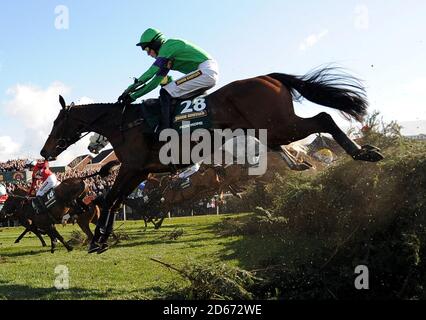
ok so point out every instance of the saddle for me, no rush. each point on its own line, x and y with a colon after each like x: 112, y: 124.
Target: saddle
x: 189, y: 111
x: 44, y: 203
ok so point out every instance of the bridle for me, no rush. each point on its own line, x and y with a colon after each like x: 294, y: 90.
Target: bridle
x: 64, y: 142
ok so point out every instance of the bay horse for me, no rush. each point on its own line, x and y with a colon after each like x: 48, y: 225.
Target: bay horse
x: 264, y: 102
x: 29, y: 227
x: 149, y: 208
x: 65, y: 194
x: 86, y: 215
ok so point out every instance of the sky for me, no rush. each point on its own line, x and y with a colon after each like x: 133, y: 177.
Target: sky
x: 85, y: 50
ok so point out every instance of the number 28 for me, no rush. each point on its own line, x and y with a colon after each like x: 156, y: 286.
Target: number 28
x: 197, y: 106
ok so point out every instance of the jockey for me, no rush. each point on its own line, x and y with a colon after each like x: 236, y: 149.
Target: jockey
x: 200, y: 68
x: 41, y: 176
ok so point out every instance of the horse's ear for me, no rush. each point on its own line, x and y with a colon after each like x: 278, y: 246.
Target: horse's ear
x: 72, y: 105
x: 62, y: 102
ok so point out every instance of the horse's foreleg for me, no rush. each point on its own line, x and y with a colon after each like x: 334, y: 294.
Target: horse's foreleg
x: 126, y: 181
x: 30, y: 228
x: 22, y: 235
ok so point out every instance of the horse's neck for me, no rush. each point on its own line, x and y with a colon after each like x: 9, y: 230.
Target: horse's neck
x: 103, y: 118
x: 65, y: 193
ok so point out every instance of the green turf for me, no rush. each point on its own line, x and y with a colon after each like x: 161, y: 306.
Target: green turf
x: 125, y: 271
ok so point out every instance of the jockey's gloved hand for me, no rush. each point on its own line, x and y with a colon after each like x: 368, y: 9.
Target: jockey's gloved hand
x: 125, y: 98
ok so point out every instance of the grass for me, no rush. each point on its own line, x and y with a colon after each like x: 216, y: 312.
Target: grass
x: 125, y: 271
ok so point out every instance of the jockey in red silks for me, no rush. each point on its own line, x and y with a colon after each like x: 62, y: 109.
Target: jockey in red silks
x: 43, y: 177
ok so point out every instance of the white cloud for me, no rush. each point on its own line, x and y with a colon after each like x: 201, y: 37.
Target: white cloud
x: 312, y: 40
x: 8, y: 148
x: 36, y: 109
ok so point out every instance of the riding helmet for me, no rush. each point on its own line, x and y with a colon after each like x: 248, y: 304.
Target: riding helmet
x: 152, y: 38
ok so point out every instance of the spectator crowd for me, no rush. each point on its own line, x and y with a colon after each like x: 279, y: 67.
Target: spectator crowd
x: 13, y: 165
x: 97, y: 185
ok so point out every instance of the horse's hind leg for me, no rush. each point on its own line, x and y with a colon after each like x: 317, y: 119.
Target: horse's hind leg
x: 38, y: 235
x: 301, y: 128
x: 56, y: 235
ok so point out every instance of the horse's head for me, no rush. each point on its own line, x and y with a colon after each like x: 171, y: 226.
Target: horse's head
x: 65, y: 132
x: 11, y: 207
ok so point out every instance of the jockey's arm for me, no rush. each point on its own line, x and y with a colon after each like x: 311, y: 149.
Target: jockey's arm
x: 148, y: 75
x: 158, y: 73
x: 151, y: 85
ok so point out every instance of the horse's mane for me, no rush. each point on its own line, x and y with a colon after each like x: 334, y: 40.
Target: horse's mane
x: 110, y: 104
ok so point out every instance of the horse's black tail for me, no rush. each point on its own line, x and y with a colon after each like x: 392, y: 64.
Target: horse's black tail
x: 328, y: 87
x: 105, y: 171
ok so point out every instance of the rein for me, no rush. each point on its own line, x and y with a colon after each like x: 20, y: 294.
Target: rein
x: 64, y: 143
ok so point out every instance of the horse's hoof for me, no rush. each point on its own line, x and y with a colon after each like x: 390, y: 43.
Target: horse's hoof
x: 93, y: 247
x: 102, y: 248
x: 16, y: 241
x: 70, y: 249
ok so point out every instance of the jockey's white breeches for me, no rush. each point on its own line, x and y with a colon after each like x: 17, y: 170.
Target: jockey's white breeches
x: 205, y: 77
x: 51, y: 182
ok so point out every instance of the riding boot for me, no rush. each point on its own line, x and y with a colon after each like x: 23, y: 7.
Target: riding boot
x: 166, y: 102
x: 38, y: 205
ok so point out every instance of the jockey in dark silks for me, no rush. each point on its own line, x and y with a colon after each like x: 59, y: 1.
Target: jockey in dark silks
x: 200, y: 68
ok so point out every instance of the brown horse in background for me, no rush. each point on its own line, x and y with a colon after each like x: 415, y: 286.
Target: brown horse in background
x: 264, y: 102
x: 149, y: 205
x: 84, y: 216
x: 20, y: 206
